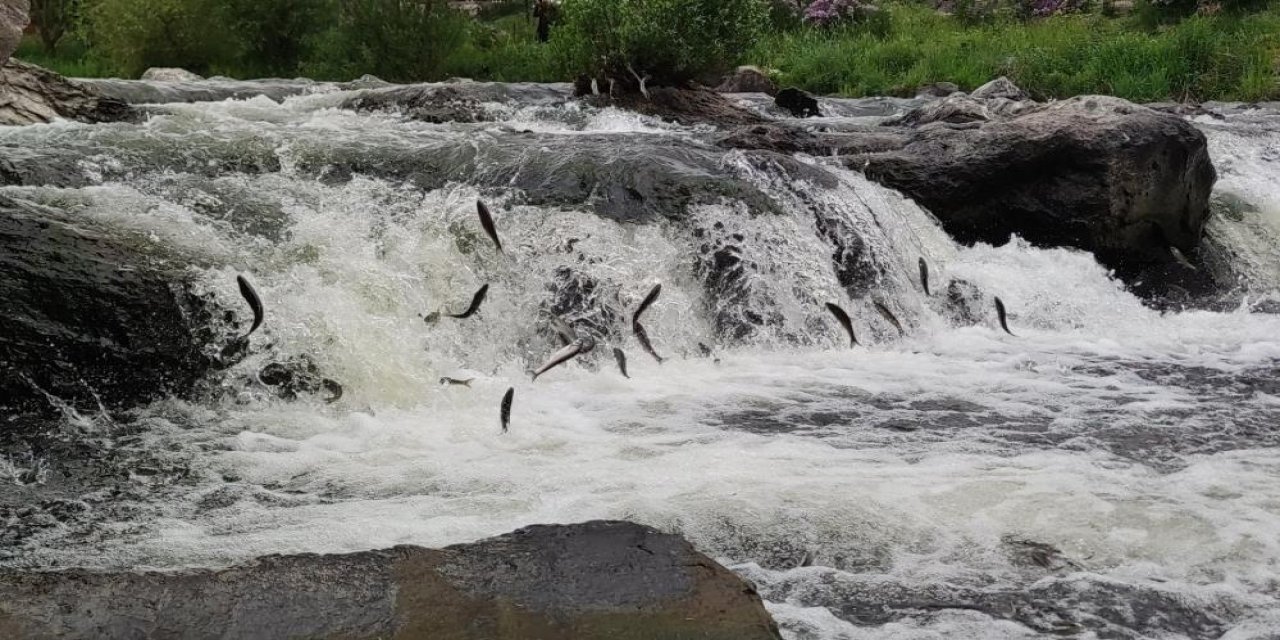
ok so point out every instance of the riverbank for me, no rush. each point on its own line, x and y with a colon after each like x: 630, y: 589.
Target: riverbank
x: 1229, y: 57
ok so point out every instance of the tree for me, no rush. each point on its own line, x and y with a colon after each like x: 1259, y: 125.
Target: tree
x: 54, y: 19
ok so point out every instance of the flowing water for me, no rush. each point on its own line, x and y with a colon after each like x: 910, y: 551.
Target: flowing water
x: 1112, y: 471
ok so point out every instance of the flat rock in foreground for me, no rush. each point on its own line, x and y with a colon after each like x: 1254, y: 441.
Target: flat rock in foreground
x: 606, y: 580
x: 31, y: 95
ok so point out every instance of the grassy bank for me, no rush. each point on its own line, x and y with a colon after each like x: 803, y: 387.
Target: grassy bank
x: 1221, y: 57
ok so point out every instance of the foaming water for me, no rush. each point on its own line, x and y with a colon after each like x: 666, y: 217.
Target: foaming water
x: 1109, y: 472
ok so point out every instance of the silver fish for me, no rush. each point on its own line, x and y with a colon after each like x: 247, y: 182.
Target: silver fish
x: 486, y: 221
x: 844, y: 320
x: 622, y: 361
x: 1004, y: 317
x: 1181, y: 258
x: 924, y: 276
x: 255, y: 303
x: 456, y: 382
x: 578, y: 347
x: 476, y: 300
x: 505, y: 411
x: 888, y: 315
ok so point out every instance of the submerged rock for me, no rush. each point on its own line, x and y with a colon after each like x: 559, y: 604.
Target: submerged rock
x: 93, y: 317
x: 31, y: 94
x: 1092, y: 172
x: 605, y: 580
x: 685, y: 106
x: 454, y: 102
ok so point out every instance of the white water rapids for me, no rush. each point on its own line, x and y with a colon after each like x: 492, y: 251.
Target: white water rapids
x: 915, y: 475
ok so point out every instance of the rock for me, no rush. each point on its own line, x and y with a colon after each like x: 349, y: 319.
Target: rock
x: 937, y: 90
x: 30, y: 95
x: 799, y: 103
x: 1098, y: 173
x: 782, y: 138
x: 456, y: 102
x: 13, y: 20
x: 170, y: 74
x: 596, y: 580
x: 1001, y: 87
x: 93, y: 315
x: 685, y: 106
x: 960, y: 109
x: 748, y: 79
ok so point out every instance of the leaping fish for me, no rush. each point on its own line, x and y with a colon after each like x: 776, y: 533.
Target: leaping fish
x: 476, y: 300
x: 888, y: 315
x: 622, y: 361
x: 1004, y: 317
x: 578, y: 347
x: 924, y: 276
x: 486, y: 221
x: 843, y: 318
x: 563, y: 330
x: 456, y: 382
x: 1181, y: 258
x: 505, y: 411
x: 638, y: 329
x: 255, y: 303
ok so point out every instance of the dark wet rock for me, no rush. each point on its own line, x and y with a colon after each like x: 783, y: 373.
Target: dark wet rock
x: 685, y: 106
x: 965, y: 304
x: 1001, y: 87
x: 13, y: 20
x: 612, y: 580
x: 298, y: 376
x: 784, y: 138
x: 27, y: 166
x: 170, y: 74
x: 31, y: 94
x: 747, y: 79
x: 961, y: 109
x: 798, y: 103
x: 94, y: 317
x: 1092, y: 172
x: 454, y: 102
x: 937, y: 90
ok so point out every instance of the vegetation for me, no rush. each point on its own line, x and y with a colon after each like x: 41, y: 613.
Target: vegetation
x: 1162, y: 49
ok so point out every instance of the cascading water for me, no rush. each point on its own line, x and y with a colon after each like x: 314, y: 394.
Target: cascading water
x: 1109, y: 471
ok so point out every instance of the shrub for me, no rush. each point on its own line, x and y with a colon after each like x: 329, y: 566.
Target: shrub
x: 54, y: 19
x: 274, y: 34
x: 824, y: 13
x: 670, y: 41
x: 136, y: 34
x: 396, y: 40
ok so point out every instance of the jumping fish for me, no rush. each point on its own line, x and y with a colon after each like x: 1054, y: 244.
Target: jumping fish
x: 254, y: 301
x: 638, y: 329
x: 486, y: 221
x: 622, y: 361
x: 562, y: 329
x: 334, y: 389
x: 1004, y: 317
x: 476, y: 300
x: 888, y: 315
x: 1181, y: 258
x: 506, y: 407
x: 924, y: 276
x: 843, y: 318
x: 454, y: 381
x: 578, y: 347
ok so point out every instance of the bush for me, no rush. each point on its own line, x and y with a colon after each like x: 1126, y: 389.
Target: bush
x: 53, y: 19
x: 670, y: 41
x: 137, y: 34
x: 273, y: 34
x: 396, y: 40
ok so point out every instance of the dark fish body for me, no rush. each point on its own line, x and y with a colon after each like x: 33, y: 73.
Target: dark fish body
x: 643, y: 337
x: 254, y: 301
x: 334, y: 389
x: 506, y: 407
x: 622, y: 361
x: 844, y: 320
x: 486, y: 221
x: 1003, y: 315
x: 453, y: 381
x: 924, y: 276
x: 638, y: 329
x: 576, y: 348
x: 431, y: 318
x: 704, y: 350
x: 888, y: 315
x: 476, y: 301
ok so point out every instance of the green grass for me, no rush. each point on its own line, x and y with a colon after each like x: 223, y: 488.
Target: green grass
x: 1225, y: 57
x: 1201, y: 58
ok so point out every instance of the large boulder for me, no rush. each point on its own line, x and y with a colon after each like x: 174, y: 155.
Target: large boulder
x: 597, y: 580
x: 13, y: 20
x: 93, y: 317
x: 31, y: 94
x: 747, y: 79
x: 1097, y: 173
